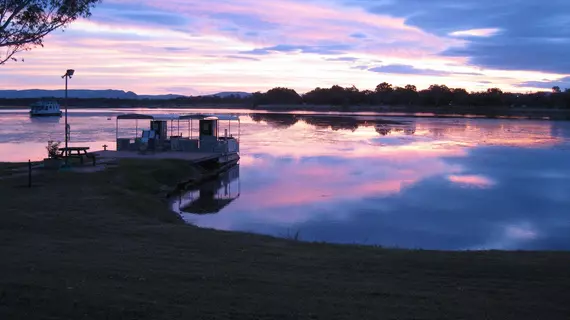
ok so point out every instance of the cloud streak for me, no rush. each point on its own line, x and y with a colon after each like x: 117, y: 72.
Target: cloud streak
x: 405, y: 69
x: 562, y: 83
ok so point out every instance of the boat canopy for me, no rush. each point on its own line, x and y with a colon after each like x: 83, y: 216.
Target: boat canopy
x: 166, y: 117
x: 225, y: 117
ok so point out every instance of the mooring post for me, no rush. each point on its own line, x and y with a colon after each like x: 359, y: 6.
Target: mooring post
x: 29, y: 173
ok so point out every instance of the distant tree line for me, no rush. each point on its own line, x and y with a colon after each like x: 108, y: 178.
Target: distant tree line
x: 434, y: 96
x: 384, y: 94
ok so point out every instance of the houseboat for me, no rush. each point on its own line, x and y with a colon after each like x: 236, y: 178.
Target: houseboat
x: 45, y: 108
x: 204, y: 139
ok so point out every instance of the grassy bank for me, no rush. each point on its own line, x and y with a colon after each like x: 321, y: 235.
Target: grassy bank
x: 15, y: 169
x: 104, y: 246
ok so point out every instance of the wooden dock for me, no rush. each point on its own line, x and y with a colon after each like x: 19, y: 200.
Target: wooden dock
x: 195, y: 157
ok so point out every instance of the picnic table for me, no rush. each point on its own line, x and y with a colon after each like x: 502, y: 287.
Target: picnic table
x: 76, y: 152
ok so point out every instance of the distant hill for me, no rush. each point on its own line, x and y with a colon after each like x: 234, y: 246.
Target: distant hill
x: 36, y: 93
x: 83, y: 94
x: 106, y: 94
x: 160, y: 96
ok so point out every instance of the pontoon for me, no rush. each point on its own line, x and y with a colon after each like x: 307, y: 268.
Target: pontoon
x: 194, y: 137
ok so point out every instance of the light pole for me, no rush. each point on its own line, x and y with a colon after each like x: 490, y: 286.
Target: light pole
x: 68, y: 74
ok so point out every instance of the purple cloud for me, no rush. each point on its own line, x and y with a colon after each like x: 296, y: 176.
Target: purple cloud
x: 358, y: 35
x: 528, y: 29
x: 319, y: 49
x: 563, y: 83
x: 406, y: 69
x: 345, y: 59
x: 242, y: 58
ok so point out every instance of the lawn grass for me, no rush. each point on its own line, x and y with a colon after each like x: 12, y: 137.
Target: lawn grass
x: 8, y: 169
x: 105, y: 246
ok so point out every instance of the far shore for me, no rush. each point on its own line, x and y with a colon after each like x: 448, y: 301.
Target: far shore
x: 408, y: 111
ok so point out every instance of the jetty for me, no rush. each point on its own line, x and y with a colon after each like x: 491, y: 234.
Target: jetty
x: 172, y: 137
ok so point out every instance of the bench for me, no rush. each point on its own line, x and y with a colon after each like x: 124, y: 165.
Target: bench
x: 93, y: 156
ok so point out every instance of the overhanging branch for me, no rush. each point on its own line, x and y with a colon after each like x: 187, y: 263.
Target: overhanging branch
x: 24, y: 23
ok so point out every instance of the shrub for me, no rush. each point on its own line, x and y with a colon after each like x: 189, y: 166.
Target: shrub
x: 52, y: 148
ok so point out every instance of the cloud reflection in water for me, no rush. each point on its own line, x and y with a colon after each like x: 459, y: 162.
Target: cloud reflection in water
x: 429, y: 189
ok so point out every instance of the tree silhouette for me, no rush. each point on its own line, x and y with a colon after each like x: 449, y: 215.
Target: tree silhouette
x: 282, y: 95
x: 460, y: 96
x: 24, y: 23
x: 437, y: 95
x: 384, y: 87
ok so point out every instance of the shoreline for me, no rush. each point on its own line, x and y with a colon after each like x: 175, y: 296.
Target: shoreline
x: 392, y: 111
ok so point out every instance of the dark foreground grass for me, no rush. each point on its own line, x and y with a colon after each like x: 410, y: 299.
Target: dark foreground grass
x: 8, y: 169
x: 104, y: 246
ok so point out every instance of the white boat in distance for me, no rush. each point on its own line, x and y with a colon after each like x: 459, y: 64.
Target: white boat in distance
x: 45, y: 108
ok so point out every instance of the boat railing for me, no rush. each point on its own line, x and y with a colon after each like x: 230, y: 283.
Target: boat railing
x: 128, y: 144
x: 208, y: 140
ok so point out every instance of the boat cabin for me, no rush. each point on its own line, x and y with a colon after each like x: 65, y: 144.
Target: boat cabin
x: 45, y: 108
x: 178, y: 133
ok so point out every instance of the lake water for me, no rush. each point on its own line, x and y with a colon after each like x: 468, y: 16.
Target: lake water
x: 399, y: 182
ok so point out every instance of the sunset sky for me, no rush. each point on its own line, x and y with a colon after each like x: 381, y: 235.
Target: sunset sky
x: 198, y: 47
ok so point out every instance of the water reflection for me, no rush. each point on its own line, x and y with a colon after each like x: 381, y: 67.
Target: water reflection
x: 335, y: 122
x: 209, y: 197
x: 471, y: 181
x: 452, y: 204
x: 279, y: 121
x: 463, y: 130
x: 45, y: 120
x: 419, y: 183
